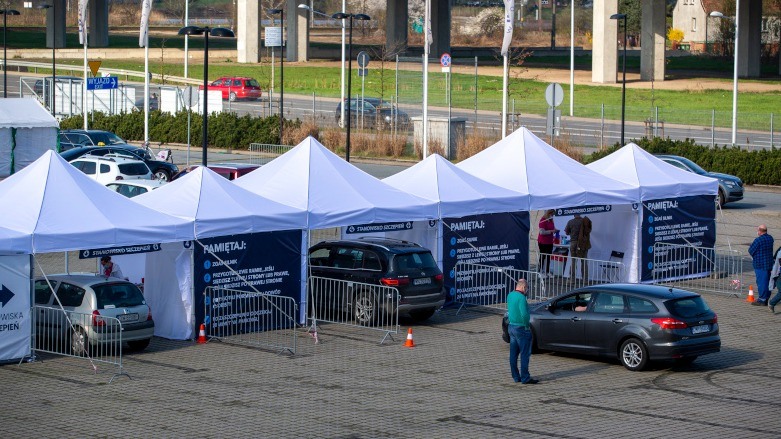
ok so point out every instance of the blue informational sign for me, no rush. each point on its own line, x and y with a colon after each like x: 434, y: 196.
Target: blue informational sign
x: 116, y: 251
x: 583, y: 210
x: 498, y: 240
x: 102, y: 83
x: 686, y: 221
x: 270, y: 262
x: 381, y: 227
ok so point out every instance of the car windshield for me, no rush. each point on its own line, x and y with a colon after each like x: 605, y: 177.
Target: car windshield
x: 118, y: 295
x: 687, y: 307
x: 107, y: 138
x: 693, y: 166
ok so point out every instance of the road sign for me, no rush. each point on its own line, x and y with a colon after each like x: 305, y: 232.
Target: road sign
x: 445, y: 60
x: 94, y: 66
x: 103, y: 83
x: 273, y: 37
x: 363, y: 72
x: 363, y: 59
x: 554, y: 94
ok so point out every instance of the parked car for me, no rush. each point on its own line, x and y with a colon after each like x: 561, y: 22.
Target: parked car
x: 134, y: 188
x: 112, y: 167
x: 91, y: 138
x: 635, y: 323
x: 237, y: 88
x: 231, y: 171
x: 730, y: 186
x: 378, y: 261
x: 97, y: 296
x: 373, y: 113
x: 162, y: 170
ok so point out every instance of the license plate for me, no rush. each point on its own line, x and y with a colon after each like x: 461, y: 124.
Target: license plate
x: 127, y: 317
x: 700, y: 329
x: 422, y: 281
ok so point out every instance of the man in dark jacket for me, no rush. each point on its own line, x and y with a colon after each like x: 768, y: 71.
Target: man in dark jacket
x: 761, y: 251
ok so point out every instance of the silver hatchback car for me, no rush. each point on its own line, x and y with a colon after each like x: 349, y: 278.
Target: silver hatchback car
x: 87, y: 301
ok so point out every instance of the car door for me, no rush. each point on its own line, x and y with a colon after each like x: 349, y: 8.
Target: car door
x: 608, y: 316
x: 561, y: 327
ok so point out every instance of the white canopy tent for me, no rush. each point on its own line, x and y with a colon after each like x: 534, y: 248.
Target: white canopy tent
x: 216, y: 207
x: 332, y: 191
x: 673, y: 200
x: 27, y: 130
x: 50, y: 206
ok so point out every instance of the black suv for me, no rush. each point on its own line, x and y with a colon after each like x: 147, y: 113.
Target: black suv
x: 380, y: 261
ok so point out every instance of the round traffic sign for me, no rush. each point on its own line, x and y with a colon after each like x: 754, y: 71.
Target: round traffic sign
x: 554, y: 95
x: 363, y: 59
x: 445, y: 60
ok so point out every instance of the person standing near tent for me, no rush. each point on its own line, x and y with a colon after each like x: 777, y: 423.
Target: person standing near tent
x: 572, y: 229
x: 584, y: 244
x: 109, y: 268
x: 545, y: 242
x: 761, y: 251
x: 520, y: 333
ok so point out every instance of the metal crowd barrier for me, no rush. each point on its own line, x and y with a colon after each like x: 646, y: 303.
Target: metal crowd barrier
x: 80, y: 335
x: 488, y: 286
x: 702, y: 269
x: 262, y: 153
x: 368, y: 306
x: 250, y: 318
x: 586, y: 271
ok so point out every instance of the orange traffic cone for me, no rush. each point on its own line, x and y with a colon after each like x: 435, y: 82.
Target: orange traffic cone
x: 410, y: 343
x: 202, y: 334
x: 750, y: 297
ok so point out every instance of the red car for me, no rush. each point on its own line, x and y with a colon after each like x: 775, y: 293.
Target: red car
x: 235, y: 88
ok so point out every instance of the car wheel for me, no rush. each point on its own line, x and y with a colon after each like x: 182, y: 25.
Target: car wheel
x: 365, y: 308
x: 634, y: 355
x: 419, y: 316
x: 232, y: 96
x: 722, y: 198
x: 139, y: 345
x: 162, y: 175
x: 79, y: 342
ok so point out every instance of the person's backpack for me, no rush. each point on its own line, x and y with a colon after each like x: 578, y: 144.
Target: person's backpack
x: 584, y: 235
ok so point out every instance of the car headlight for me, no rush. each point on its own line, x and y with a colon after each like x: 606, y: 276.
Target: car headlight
x: 730, y: 184
x: 387, y: 118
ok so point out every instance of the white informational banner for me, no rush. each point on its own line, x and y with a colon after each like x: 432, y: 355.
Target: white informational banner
x: 273, y: 37
x: 14, y: 307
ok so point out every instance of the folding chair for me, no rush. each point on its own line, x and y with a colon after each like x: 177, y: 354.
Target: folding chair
x: 610, y: 271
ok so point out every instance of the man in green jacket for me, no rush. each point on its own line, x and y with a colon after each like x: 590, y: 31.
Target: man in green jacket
x: 520, y: 333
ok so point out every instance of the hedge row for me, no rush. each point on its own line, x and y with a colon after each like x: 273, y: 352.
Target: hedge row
x: 753, y: 167
x: 226, y: 130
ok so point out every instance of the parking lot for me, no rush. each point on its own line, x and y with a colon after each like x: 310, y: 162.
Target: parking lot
x: 454, y: 383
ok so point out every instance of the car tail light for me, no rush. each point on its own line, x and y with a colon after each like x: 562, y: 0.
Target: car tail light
x: 119, y: 177
x: 715, y: 318
x: 439, y: 278
x: 149, y: 314
x: 97, y: 320
x: 669, y: 323
x: 394, y: 281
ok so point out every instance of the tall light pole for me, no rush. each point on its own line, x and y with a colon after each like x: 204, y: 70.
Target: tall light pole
x: 282, y: 54
x: 6, y: 12
x: 735, y: 73
x: 350, y: 18
x: 623, y: 80
x: 206, y: 31
x: 54, y: 45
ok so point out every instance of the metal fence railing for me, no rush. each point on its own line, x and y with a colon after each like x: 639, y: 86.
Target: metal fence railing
x: 97, y: 339
x: 354, y: 304
x: 488, y: 286
x: 586, y: 272
x: 251, y: 319
x: 262, y: 153
x: 702, y: 269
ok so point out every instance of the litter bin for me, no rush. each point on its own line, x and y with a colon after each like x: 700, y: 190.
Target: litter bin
x: 558, y: 260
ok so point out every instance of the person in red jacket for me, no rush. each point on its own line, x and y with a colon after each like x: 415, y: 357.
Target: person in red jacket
x: 545, y: 242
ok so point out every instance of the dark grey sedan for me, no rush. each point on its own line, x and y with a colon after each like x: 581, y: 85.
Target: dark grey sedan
x: 632, y: 322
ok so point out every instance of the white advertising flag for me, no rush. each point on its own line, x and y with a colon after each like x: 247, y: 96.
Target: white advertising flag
x: 82, y: 21
x: 509, y: 12
x: 143, y: 36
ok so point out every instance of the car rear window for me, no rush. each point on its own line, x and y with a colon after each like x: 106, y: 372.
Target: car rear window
x: 118, y: 295
x: 414, y: 261
x: 252, y: 83
x: 687, y: 307
x: 133, y: 169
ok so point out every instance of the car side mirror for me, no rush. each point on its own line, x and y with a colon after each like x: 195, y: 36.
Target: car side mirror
x: 550, y: 307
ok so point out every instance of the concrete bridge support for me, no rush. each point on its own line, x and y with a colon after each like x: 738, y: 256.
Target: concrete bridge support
x: 97, y: 35
x: 396, y: 26
x: 55, y: 25
x: 604, y: 51
x: 652, y: 37
x: 750, y: 38
x: 248, y: 31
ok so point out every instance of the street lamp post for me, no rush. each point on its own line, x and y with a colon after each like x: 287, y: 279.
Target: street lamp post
x: 206, y: 31
x: 6, y: 12
x: 351, y: 18
x: 735, y: 73
x: 54, y: 45
x: 281, y: 13
x: 623, y: 79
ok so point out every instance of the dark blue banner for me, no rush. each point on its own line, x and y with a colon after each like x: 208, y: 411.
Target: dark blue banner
x: 382, y: 227
x: 115, y: 251
x: 497, y: 240
x: 686, y: 221
x: 269, y: 262
x: 583, y: 210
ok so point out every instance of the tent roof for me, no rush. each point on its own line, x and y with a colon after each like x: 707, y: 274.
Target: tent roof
x: 524, y: 163
x: 458, y: 192
x: 334, y: 192
x: 218, y: 207
x: 25, y: 113
x: 654, y: 178
x: 59, y: 208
